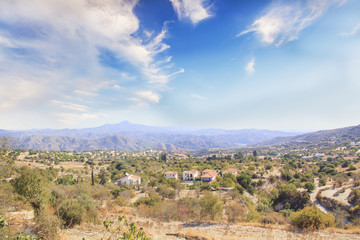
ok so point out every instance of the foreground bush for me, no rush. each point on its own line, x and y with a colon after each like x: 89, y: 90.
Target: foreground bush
x: 272, y: 218
x: 311, y: 218
x: 211, y: 206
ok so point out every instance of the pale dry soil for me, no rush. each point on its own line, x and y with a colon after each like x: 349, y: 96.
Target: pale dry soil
x: 204, y: 231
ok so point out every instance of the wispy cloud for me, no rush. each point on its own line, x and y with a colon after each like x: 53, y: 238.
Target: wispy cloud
x: 149, y: 96
x: 197, y: 96
x: 283, y: 21
x: 195, y: 10
x: 249, y: 68
x: 71, y: 106
x: 59, y: 44
x: 353, y: 32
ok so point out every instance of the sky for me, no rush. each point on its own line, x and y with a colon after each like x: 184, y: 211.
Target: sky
x: 230, y: 64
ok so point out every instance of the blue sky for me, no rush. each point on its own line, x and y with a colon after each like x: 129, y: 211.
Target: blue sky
x: 204, y: 63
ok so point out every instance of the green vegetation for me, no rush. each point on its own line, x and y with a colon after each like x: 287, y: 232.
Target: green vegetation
x: 268, y: 188
x: 311, y: 218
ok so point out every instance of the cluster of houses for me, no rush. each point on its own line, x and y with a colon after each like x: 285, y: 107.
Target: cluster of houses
x: 208, y: 175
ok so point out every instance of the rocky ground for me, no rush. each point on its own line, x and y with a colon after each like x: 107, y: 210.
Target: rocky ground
x: 204, y: 231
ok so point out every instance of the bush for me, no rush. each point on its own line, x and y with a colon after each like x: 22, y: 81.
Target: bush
x: 48, y: 224
x: 354, y: 197
x: 33, y: 187
x: 311, y: 218
x: 71, y: 213
x: 235, y: 212
x: 287, y: 195
x: 309, y: 186
x: 272, y: 218
x: 211, y: 206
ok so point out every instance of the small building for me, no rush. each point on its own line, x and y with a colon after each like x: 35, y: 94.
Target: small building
x: 352, y: 144
x: 129, y: 179
x: 190, y: 175
x: 171, y: 174
x: 208, y: 175
x: 232, y: 171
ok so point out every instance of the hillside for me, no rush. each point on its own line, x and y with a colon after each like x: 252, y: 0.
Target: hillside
x: 324, y: 138
x: 128, y: 136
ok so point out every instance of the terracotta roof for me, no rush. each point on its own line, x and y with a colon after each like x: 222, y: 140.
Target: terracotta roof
x: 208, y: 173
x: 193, y: 171
x: 135, y: 177
x: 230, y: 170
x: 170, y: 172
x: 130, y: 176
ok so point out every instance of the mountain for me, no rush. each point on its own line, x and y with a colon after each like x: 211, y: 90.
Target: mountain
x: 324, y: 138
x: 126, y: 135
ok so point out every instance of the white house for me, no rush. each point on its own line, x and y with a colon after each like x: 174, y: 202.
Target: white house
x: 171, y: 174
x: 208, y: 175
x: 233, y: 171
x: 130, y: 179
x: 190, y: 175
x: 352, y: 144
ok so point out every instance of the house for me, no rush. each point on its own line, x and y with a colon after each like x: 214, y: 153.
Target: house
x: 232, y: 171
x: 208, y: 175
x: 129, y: 179
x: 190, y: 175
x: 171, y: 174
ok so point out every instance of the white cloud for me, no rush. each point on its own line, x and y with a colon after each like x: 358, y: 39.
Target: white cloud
x: 249, y: 68
x: 283, y: 21
x: 71, y: 106
x: 149, y: 96
x: 61, y: 50
x: 197, y: 96
x: 353, y: 32
x: 18, y: 92
x: 194, y: 10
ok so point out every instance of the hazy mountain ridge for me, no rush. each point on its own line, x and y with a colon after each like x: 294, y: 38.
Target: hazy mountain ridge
x: 322, y: 138
x: 126, y: 135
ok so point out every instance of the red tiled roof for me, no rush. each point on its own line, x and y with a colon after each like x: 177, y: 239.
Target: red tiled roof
x: 208, y: 172
x: 193, y: 171
x: 170, y: 172
x: 135, y: 177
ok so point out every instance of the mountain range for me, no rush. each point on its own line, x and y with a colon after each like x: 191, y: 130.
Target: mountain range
x: 129, y: 136
x: 325, y: 138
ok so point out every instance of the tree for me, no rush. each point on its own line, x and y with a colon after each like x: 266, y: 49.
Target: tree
x: 103, y: 176
x: 92, y: 176
x: 311, y: 218
x: 163, y: 157
x: 255, y: 153
x: 211, y: 206
x: 309, y: 186
x: 33, y: 187
x: 245, y: 180
x: 6, y: 163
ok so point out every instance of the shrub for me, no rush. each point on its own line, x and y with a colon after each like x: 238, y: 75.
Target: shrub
x: 48, y: 224
x: 71, y: 213
x: 211, y: 206
x: 354, y: 197
x: 288, y: 195
x: 309, y: 186
x: 33, y: 187
x: 311, y: 218
x: 235, y: 212
x: 272, y: 218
